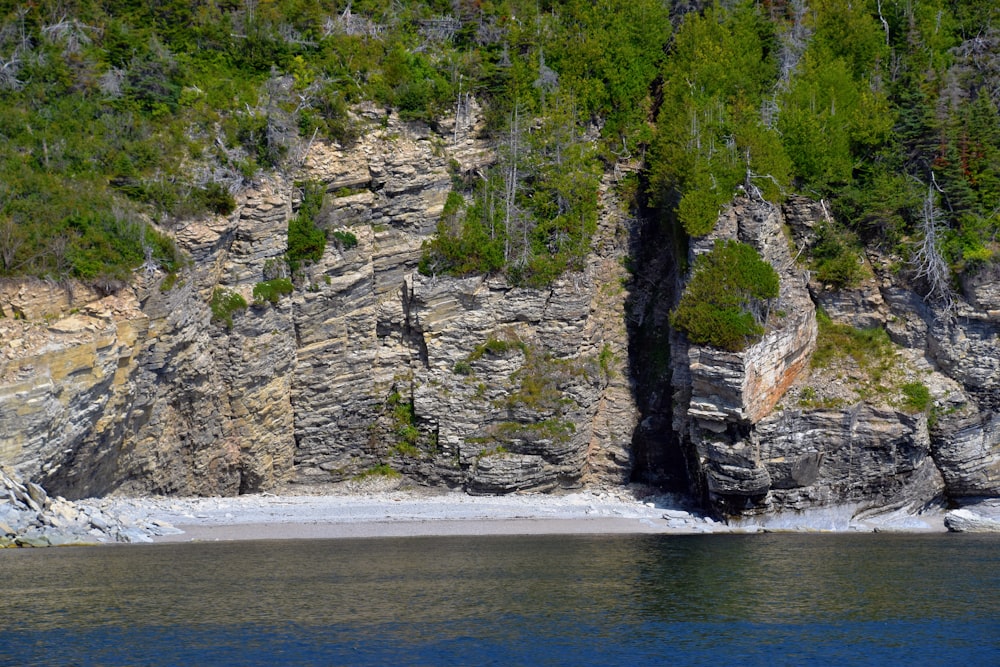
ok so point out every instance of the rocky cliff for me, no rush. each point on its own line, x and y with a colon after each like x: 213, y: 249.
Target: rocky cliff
x: 367, y: 368
x: 872, y: 421
x: 370, y: 368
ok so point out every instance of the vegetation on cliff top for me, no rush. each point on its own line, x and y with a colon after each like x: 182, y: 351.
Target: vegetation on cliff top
x: 868, y: 104
x: 727, y: 301
x: 117, y: 114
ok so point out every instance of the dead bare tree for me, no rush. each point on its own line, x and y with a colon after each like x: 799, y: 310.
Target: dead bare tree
x: 622, y: 158
x: 547, y: 80
x: 489, y: 31
x: 439, y: 29
x: 794, y: 41
x: 463, y: 111
x: 928, y: 263
x: 73, y: 34
x: 10, y: 66
x: 349, y: 23
x: 885, y: 24
x: 280, y: 129
x: 112, y: 82
x: 510, y: 180
x: 9, y: 69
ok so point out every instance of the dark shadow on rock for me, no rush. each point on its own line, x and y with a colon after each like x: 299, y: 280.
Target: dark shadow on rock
x: 654, y: 247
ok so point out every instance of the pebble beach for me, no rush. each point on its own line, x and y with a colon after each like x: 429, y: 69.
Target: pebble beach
x: 405, y: 514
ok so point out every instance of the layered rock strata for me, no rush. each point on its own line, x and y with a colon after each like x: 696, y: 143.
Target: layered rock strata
x: 371, y: 368
x: 719, y: 396
x: 367, y: 368
x: 809, y: 436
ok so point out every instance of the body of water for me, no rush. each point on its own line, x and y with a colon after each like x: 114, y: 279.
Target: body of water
x: 540, y: 600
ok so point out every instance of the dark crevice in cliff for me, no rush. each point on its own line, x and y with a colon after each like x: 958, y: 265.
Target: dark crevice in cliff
x: 657, y: 457
x: 412, y: 332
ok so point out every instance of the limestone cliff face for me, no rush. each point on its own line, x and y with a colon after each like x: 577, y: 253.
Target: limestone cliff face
x: 370, y: 366
x: 720, y: 396
x: 767, y: 431
x: 367, y: 366
x: 59, y: 375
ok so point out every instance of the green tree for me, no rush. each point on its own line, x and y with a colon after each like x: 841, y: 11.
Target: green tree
x: 306, y: 241
x: 726, y: 301
x: 711, y: 137
x: 828, y: 120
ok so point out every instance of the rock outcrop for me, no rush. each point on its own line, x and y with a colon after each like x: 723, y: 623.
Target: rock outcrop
x: 720, y: 396
x: 371, y: 368
x: 30, y: 517
x: 368, y: 368
x: 802, y: 435
x: 976, y: 517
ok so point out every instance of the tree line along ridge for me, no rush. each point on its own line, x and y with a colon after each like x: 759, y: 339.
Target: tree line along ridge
x: 119, y: 118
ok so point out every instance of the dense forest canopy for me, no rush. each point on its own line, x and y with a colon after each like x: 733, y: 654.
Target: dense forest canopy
x: 117, y: 113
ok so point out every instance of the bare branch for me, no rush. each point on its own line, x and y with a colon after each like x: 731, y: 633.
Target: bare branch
x: 290, y: 35
x: 927, y: 260
x: 111, y: 82
x: 885, y: 24
x: 9, y: 69
x: 71, y: 32
x: 440, y: 29
x: 349, y: 23
x: 793, y: 42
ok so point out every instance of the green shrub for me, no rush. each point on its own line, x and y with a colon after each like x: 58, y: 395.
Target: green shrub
x: 497, y: 347
x: 404, y: 424
x: 381, y: 470
x: 556, y: 430
x: 606, y: 358
x: 414, y: 86
x: 169, y: 281
x: 251, y: 131
x: 724, y: 303
x: 224, y: 304
x: 871, y: 349
x: 346, y: 240
x: 306, y: 241
x: 843, y: 270
x: 463, y: 244
x: 978, y: 255
x: 272, y: 290
x: 916, y: 396
x: 836, y: 257
x: 216, y: 198
x: 329, y: 116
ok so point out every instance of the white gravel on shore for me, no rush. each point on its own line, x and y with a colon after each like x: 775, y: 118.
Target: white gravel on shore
x: 419, y: 512
x: 408, y: 513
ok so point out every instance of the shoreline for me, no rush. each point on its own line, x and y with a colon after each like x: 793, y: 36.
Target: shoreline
x: 422, y: 514
x: 411, y: 528
x: 403, y: 514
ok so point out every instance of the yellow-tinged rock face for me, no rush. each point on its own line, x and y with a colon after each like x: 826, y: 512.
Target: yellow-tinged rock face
x: 370, y: 365
x: 61, y: 374
x: 36, y: 300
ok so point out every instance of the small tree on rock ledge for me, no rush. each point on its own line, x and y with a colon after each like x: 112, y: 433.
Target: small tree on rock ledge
x: 726, y: 301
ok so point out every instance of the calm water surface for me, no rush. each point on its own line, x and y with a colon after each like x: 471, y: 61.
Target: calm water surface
x: 566, y: 600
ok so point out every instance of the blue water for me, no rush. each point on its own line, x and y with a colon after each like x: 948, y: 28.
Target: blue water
x: 630, y: 600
